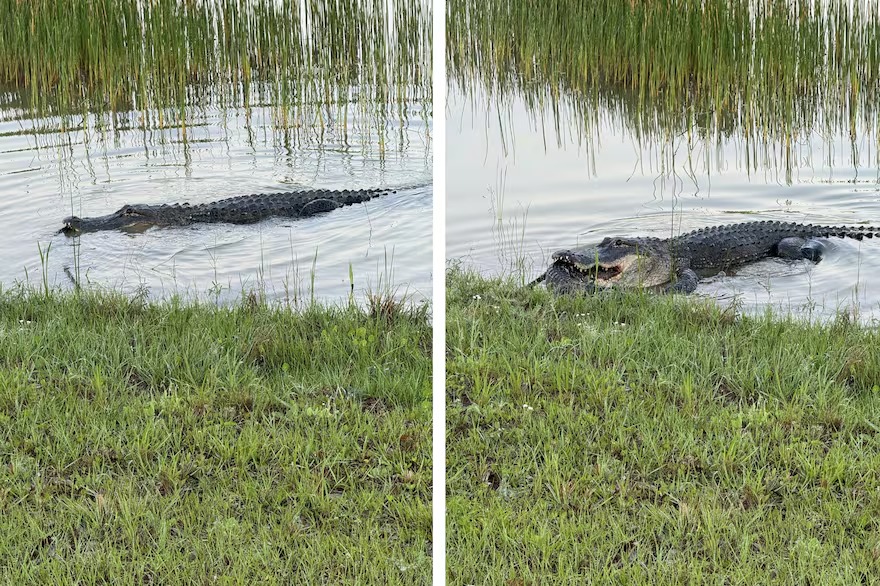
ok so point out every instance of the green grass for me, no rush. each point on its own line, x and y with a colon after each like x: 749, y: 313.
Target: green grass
x: 771, y: 72
x: 313, y: 61
x: 641, y: 439
x: 186, y: 444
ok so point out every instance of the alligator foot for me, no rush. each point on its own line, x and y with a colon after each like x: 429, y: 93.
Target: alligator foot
x: 813, y: 250
x: 685, y: 282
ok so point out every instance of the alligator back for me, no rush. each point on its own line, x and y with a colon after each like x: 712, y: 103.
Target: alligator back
x: 722, y: 247
x: 254, y: 208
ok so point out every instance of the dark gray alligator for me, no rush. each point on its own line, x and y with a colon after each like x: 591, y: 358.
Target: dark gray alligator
x: 245, y: 209
x: 676, y: 264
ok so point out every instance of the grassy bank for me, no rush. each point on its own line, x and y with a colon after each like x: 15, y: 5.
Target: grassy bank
x: 179, y: 444
x: 644, y: 439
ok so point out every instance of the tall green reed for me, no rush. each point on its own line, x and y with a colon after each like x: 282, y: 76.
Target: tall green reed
x: 769, y: 71
x: 315, y: 62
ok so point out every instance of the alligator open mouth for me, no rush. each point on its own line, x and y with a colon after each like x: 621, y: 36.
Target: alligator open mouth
x: 575, y: 266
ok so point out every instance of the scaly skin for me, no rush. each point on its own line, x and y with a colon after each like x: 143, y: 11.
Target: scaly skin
x: 675, y: 264
x: 245, y: 209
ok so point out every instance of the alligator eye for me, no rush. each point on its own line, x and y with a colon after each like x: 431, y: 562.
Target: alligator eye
x: 618, y: 242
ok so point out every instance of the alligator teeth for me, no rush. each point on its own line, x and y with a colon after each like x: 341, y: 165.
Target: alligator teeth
x: 596, y: 271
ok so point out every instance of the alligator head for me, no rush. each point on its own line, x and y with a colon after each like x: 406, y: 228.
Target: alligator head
x: 128, y: 217
x: 614, y: 262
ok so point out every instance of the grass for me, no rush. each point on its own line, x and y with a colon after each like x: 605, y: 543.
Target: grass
x: 188, y: 444
x: 641, y: 439
x: 317, y: 63
x: 771, y: 72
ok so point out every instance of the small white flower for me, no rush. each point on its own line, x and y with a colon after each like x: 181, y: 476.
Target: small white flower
x: 477, y: 297
x: 528, y: 407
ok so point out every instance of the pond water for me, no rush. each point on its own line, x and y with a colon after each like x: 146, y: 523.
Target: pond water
x: 515, y: 197
x: 48, y: 172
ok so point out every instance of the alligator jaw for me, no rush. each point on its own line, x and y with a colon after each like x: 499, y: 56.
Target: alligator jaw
x: 587, y: 268
x: 135, y: 219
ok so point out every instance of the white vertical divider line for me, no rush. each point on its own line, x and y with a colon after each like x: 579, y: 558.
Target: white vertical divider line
x: 439, y: 295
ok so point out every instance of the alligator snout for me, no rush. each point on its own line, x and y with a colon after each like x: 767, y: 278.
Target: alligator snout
x: 572, y: 257
x: 576, y: 259
x: 562, y: 254
x: 71, y: 225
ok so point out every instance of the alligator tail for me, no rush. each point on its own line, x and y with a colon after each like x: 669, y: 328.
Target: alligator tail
x: 540, y: 278
x: 854, y: 232
x: 354, y: 196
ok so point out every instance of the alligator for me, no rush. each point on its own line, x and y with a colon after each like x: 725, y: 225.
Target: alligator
x: 245, y: 209
x: 675, y: 265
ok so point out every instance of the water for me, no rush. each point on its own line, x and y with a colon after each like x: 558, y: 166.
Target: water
x: 513, y: 200
x: 48, y: 172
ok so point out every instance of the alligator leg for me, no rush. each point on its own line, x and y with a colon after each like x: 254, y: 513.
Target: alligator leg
x: 685, y: 282
x: 813, y: 250
x: 319, y: 206
x: 796, y: 248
